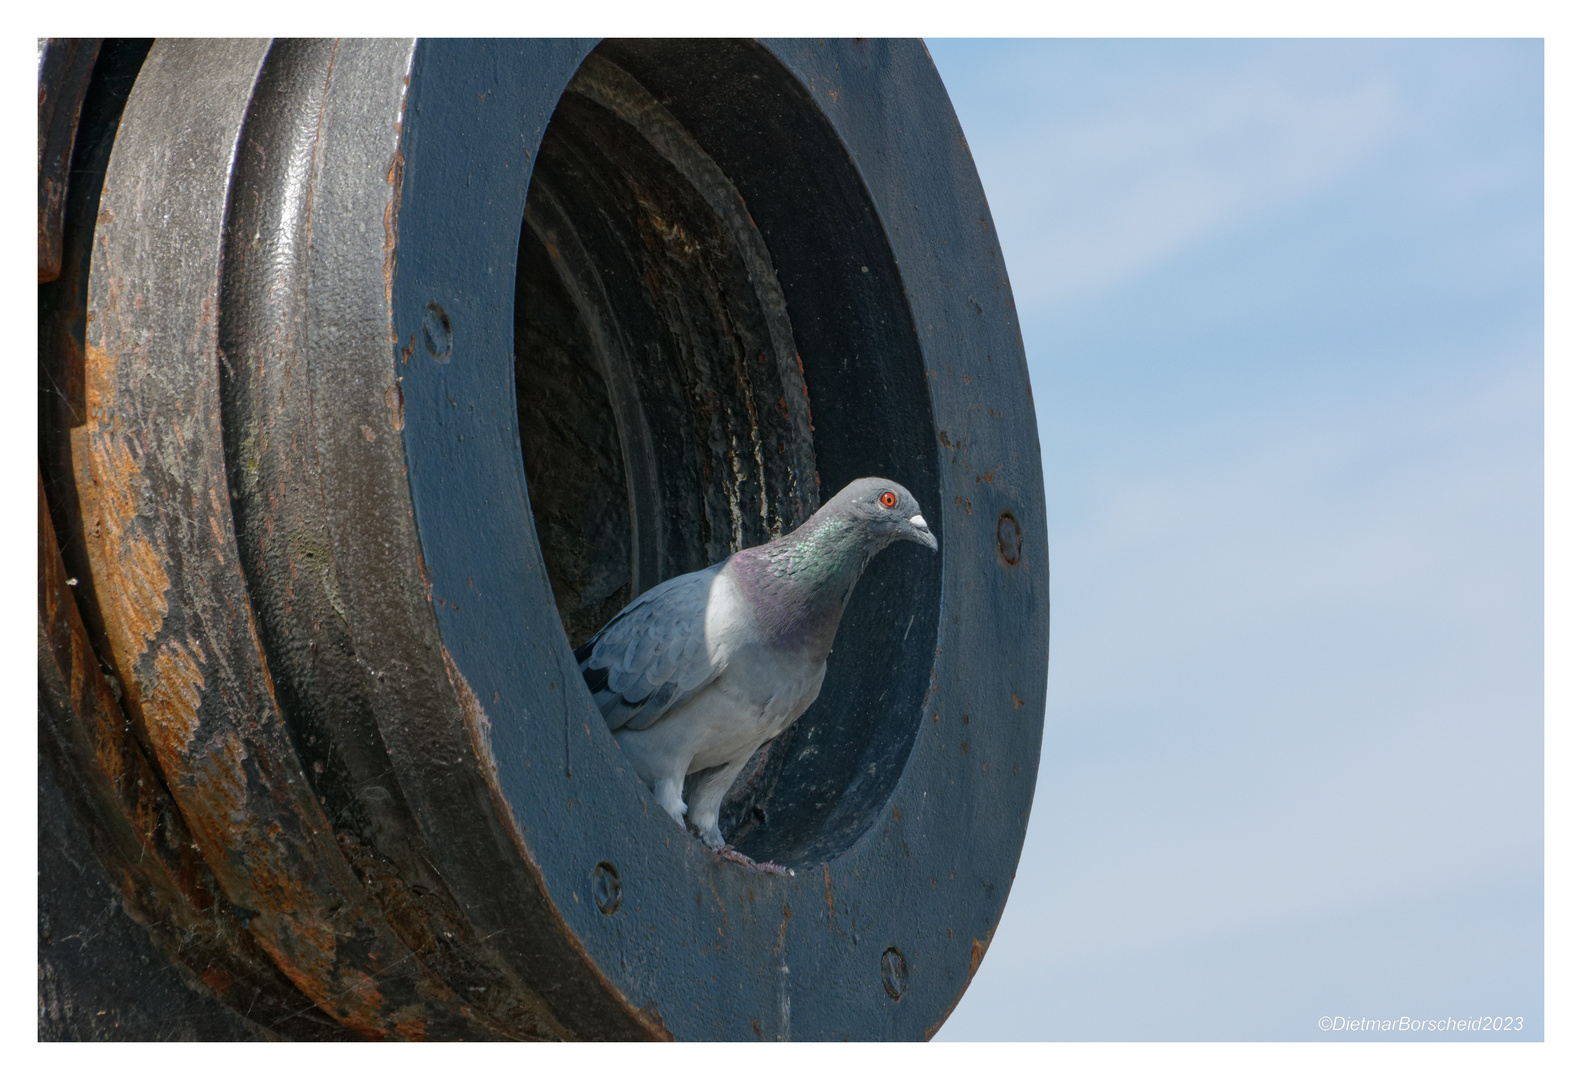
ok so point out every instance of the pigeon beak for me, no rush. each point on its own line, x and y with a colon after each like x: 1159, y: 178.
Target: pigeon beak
x: 921, y: 534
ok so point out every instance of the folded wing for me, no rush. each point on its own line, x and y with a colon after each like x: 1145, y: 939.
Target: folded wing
x: 653, y: 657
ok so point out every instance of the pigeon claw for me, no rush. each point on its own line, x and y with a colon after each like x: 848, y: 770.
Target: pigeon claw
x: 725, y: 851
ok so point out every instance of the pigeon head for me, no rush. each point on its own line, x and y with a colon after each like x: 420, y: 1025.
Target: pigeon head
x: 883, y: 511
x: 800, y: 582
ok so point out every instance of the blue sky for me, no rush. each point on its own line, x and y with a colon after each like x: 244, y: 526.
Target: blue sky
x: 1283, y: 310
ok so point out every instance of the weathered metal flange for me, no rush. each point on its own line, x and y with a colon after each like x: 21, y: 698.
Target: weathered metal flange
x: 157, y: 524
x: 217, y: 982
x: 310, y: 544
x: 312, y: 424
x: 64, y: 67
x: 930, y: 720
x: 138, y: 833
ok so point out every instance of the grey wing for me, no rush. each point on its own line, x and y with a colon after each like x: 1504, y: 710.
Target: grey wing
x: 653, y: 656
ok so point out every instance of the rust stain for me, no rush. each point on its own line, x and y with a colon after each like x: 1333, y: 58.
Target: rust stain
x: 293, y: 929
x: 359, y: 994
x: 410, y: 1024
x: 133, y: 586
x: 171, y: 703
x: 979, y: 947
x: 650, y: 1018
x: 219, y: 518
x: 109, y: 482
x: 393, y: 178
x: 395, y: 401
x: 829, y: 892
x: 223, y: 816
x: 161, y: 876
x: 802, y: 374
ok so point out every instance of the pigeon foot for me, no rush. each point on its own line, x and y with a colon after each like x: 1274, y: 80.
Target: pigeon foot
x: 725, y: 851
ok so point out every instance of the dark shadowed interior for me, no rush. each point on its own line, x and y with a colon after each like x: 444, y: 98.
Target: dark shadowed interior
x: 711, y: 338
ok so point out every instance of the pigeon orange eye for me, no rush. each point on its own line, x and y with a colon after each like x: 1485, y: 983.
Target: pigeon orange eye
x: 887, y: 500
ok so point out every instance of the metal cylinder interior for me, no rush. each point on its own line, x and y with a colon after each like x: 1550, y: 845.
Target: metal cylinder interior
x: 664, y: 410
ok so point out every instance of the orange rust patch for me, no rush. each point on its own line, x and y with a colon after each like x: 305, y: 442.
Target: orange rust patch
x: 359, y: 995
x: 829, y: 892
x: 649, y: 1017
x: 128, y: 568
x: 137, y: 785
x: 290, y: 926
x: 393, y: 178
x: 171, y: 709
x: 979, y: 947
x: 219, y: 519
x: 410, y: 1023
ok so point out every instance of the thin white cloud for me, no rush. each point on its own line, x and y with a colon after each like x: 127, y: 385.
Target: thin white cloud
x: 1166, y: 157
x: 1117, y: 192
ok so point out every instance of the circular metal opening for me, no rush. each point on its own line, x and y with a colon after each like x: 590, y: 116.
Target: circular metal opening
x: 710, y: 338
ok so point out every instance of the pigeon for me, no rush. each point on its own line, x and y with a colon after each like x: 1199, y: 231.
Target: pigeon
x: 699, y: 672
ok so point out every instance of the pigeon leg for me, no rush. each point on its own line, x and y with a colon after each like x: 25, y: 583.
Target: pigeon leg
x: 708, y: 793
x: 668, y: 793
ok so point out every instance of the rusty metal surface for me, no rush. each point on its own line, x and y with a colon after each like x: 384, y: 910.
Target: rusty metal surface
x: 318, y: 486
x: 134, y: 827
x: 121, y: 814
x: 349, y: 416
x: 100, y: 975
x: 301, y: 411
x: 156, y: 522
x: 64, y: 66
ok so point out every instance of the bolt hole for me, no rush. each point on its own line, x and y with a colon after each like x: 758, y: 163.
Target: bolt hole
x: 436, y: 333
x: 607, y: 888
x: 892, y: 971
x: 1009, y: 535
